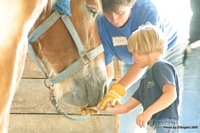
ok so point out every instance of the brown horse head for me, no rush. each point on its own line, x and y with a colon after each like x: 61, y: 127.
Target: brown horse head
x: 56, y: 51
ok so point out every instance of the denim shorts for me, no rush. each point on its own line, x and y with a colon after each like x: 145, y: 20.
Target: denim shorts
x: 162, y: 126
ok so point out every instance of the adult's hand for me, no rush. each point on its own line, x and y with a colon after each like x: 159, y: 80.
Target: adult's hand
x: 113, y: 96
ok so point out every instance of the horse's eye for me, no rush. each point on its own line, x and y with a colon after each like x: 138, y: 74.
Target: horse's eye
x: 92, y: 10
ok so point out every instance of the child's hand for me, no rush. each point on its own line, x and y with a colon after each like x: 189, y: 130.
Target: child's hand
x: 93, y: 108
x: 143, y: 118
x: 88, y: 111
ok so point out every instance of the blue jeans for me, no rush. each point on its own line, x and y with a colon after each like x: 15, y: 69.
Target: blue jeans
x: 163, y: 126
x: 190, y: 108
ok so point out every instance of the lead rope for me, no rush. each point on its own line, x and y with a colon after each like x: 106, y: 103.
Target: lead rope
x: 60, y: 110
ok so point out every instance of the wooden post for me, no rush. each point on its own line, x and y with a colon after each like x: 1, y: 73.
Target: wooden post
x: 118, y: 75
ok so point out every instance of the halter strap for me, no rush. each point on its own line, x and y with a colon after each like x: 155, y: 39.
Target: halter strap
x: 84, y: 59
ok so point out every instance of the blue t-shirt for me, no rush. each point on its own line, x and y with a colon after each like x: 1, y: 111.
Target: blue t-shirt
x: 150, y: 89
x: 114, y: 39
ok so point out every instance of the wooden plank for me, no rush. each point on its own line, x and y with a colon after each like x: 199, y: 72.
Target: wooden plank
x: 60, y: 124
x: 31, y: 69
x: 33, y: 112
x: 32, y: 96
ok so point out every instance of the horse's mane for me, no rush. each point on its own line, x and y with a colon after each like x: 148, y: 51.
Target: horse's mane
x: 50, y: 4
x: 100, y: 5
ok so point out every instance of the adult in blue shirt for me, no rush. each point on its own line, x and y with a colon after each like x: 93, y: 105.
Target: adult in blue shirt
x: 115, y: 25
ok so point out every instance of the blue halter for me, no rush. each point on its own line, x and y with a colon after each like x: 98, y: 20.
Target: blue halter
x: 62, y: 10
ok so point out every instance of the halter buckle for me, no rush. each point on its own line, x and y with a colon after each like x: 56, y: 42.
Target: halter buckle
x: 85, y: 59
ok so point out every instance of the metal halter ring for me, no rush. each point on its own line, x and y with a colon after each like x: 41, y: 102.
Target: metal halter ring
x: 48, y: 86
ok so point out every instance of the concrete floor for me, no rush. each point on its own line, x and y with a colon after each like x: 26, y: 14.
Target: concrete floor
x: 190, y: 109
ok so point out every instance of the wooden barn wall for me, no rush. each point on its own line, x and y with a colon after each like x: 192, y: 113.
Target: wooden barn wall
x: 32, y: 112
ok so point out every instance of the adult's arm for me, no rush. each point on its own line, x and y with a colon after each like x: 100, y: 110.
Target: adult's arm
x: 118, y: 90
x: 110, y: 71
x: 132, y: 76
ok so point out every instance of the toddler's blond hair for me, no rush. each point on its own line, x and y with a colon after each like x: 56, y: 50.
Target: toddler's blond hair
x: 148, y: 38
